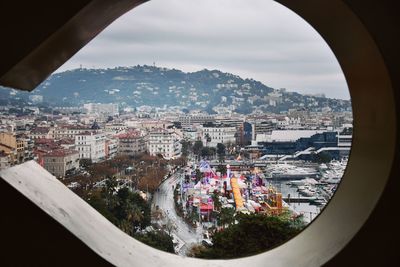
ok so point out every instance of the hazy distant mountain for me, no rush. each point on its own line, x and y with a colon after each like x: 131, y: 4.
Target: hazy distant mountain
x: 153, y: 86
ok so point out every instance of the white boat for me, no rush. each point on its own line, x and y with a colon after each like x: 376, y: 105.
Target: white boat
x: 302, y: 182
x: 289, y: 172
x: 307, y: 190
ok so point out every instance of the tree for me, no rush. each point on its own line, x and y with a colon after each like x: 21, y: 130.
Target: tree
x: 226, y: 216
x: 186, y: 147
x: 108, y: 192
x: 217, y: 203
x: 85, y: 163
x: 157, y: 239
x: 196, y: 250
x: 132, y: 208
x: 207, y: 152
x: 98, y: 203
x: 135, y: 215
x: 199, y: 175
x: 253, y: 234
x: 222, y: 169
x: 198, y: 145
x: 221, y: 152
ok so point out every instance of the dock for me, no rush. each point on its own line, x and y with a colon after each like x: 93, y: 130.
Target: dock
x: 299, y: 199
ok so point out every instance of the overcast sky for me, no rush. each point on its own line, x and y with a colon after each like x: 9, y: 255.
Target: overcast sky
x: 257, y: 39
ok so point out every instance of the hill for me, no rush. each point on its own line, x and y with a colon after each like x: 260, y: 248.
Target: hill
x: 211, y: 90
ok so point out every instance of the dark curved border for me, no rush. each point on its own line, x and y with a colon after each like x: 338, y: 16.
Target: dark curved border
x: 374, y: 159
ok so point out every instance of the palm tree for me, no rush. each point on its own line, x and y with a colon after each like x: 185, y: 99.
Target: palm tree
x: 109, y: 191
x: 134, y: 214
x: 127, y: 227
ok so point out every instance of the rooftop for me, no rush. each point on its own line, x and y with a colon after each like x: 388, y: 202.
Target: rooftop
x: 60, y: 153
x: 129, y: 134
x: 40, y: 130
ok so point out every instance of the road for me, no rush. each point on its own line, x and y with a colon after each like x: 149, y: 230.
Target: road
x: 164, y: 198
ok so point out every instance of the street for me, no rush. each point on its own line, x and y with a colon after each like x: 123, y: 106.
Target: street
x: 185, y: 234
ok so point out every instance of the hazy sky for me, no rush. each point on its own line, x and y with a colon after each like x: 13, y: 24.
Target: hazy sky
x: 257, y: 39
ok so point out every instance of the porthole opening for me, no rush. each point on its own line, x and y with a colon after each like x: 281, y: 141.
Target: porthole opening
x: 262, y: 141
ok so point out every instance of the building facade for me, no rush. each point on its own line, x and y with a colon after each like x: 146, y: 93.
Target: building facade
x: 101, y: 109
x: 61, y: 162
x: 5, y: 161
x: 218, y: 133
x: 131, y: 143
x: 68, y: 131
x: 164, y: 142
x: 188, y: 120
x: 91, y: 145
x: 111, y: 147
x: 15, y: 146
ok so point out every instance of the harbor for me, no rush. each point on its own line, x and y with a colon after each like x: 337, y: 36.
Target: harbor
x: 309, y: 196
x: 202, y: 189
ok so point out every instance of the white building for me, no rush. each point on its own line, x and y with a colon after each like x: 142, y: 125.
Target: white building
x: 164, y: 142
x: 67, y: 131
x: 115, y: 128
x: 286, y: 135
x: 192, y: 135
x: 101, y: 109
x: 218, y: 133
x: 91, y: 145
x: 187, y: 121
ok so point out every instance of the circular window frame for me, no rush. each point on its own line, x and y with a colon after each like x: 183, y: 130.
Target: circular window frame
x: 370, y: 161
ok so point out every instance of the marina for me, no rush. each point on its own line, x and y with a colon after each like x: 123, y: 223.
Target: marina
x: 309, y: 196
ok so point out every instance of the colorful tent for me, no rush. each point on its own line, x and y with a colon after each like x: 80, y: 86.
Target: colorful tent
x: 206, y: 206
x: 236, y: 193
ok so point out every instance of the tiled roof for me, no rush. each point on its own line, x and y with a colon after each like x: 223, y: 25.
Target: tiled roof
x: 129, y: 134
x: 60, y: 153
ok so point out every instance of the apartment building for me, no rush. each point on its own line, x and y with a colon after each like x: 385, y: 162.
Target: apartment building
x: 101, y: 109
x: 164, y: 142
x: 187, y: 121
x: 16, y: 146
x: 111, y: 147
x: 60, y: 162
x: 218, y: 133
x: 131, y: 143
x: 68, y: 131
x: 91, y: 145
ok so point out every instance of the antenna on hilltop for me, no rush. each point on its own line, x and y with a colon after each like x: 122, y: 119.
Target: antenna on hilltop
x: 154, y: 63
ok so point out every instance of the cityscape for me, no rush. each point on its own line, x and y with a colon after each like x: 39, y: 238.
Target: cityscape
x: 203, y: 164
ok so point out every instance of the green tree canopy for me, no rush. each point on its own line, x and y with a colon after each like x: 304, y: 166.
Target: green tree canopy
x: 207, y: 152
x: 198, y: 145
x: 253, y: 234
x: 157, y: 239
x: 220, y: 149
x: 222, y: 169
x: 186, y: 147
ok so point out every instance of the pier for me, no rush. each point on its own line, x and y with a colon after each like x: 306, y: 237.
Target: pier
x: 299, y: 199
